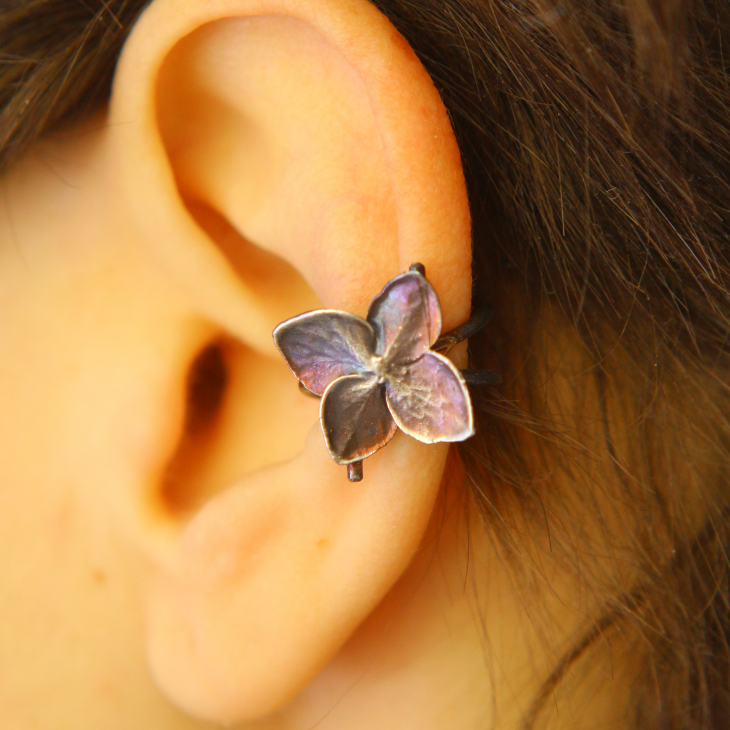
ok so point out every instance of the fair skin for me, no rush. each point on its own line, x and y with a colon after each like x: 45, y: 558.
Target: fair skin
x: 258, y: 159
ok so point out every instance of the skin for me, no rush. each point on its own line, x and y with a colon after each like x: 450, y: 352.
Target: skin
x: 259, y: 159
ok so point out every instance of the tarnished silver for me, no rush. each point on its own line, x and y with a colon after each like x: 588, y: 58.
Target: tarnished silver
x: 379, y: 374
x: 464, y: 331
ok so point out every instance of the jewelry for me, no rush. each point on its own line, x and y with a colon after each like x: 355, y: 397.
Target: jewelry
x: 384, y: 373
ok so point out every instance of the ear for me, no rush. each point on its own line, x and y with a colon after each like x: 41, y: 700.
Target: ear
x: 275, y: 156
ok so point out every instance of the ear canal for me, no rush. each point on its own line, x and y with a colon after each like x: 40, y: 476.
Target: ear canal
x: 243, y: 413
x: 205, y: 397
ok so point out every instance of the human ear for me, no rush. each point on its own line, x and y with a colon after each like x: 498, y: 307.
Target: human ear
x: 274, y: 155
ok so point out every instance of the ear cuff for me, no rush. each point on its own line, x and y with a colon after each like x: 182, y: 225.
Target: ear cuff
x: 385, y: 372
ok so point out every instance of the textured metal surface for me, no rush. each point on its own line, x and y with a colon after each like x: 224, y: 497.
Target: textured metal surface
x: 429, y: 400
x: 353, y: 364
x: 406, y: 317
x: 323, y: 345
x: 355, y: 419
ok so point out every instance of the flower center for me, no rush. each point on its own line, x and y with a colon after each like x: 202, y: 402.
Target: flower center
x: 378, y: 367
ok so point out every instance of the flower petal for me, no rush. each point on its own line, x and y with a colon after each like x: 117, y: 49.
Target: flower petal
x: 429, y: 400
x: 406, y: 317
x: 323, y: 345
x: 355, y: 419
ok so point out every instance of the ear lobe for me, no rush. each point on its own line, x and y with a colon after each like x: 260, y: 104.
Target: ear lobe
x: 260, y: 145
x: 277, y: 572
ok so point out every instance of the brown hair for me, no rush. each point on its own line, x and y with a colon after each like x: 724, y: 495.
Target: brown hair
x: 596, y: 142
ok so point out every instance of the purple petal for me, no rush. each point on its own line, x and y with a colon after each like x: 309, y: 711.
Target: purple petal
x: 406, y: 317
x: 355, y: 419
x: 323, y: 345
x: 429, y: 400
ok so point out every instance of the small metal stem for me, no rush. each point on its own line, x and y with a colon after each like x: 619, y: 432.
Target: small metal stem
x: 469, y: 328
x: 481, y: 377
x: 354, y: 471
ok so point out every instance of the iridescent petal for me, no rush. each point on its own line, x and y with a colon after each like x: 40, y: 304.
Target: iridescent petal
x: 406, y: 317
x: 355, y: 418
x: 429, y: 400
x: 323, y: 345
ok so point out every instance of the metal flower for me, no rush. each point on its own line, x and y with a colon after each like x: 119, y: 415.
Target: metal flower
x: 379, y: 374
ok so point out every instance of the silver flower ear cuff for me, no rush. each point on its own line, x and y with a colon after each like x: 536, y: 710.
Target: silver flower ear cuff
x: 386, y: 372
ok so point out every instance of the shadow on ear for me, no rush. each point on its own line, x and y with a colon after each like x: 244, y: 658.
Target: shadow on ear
x: 275, y: 156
